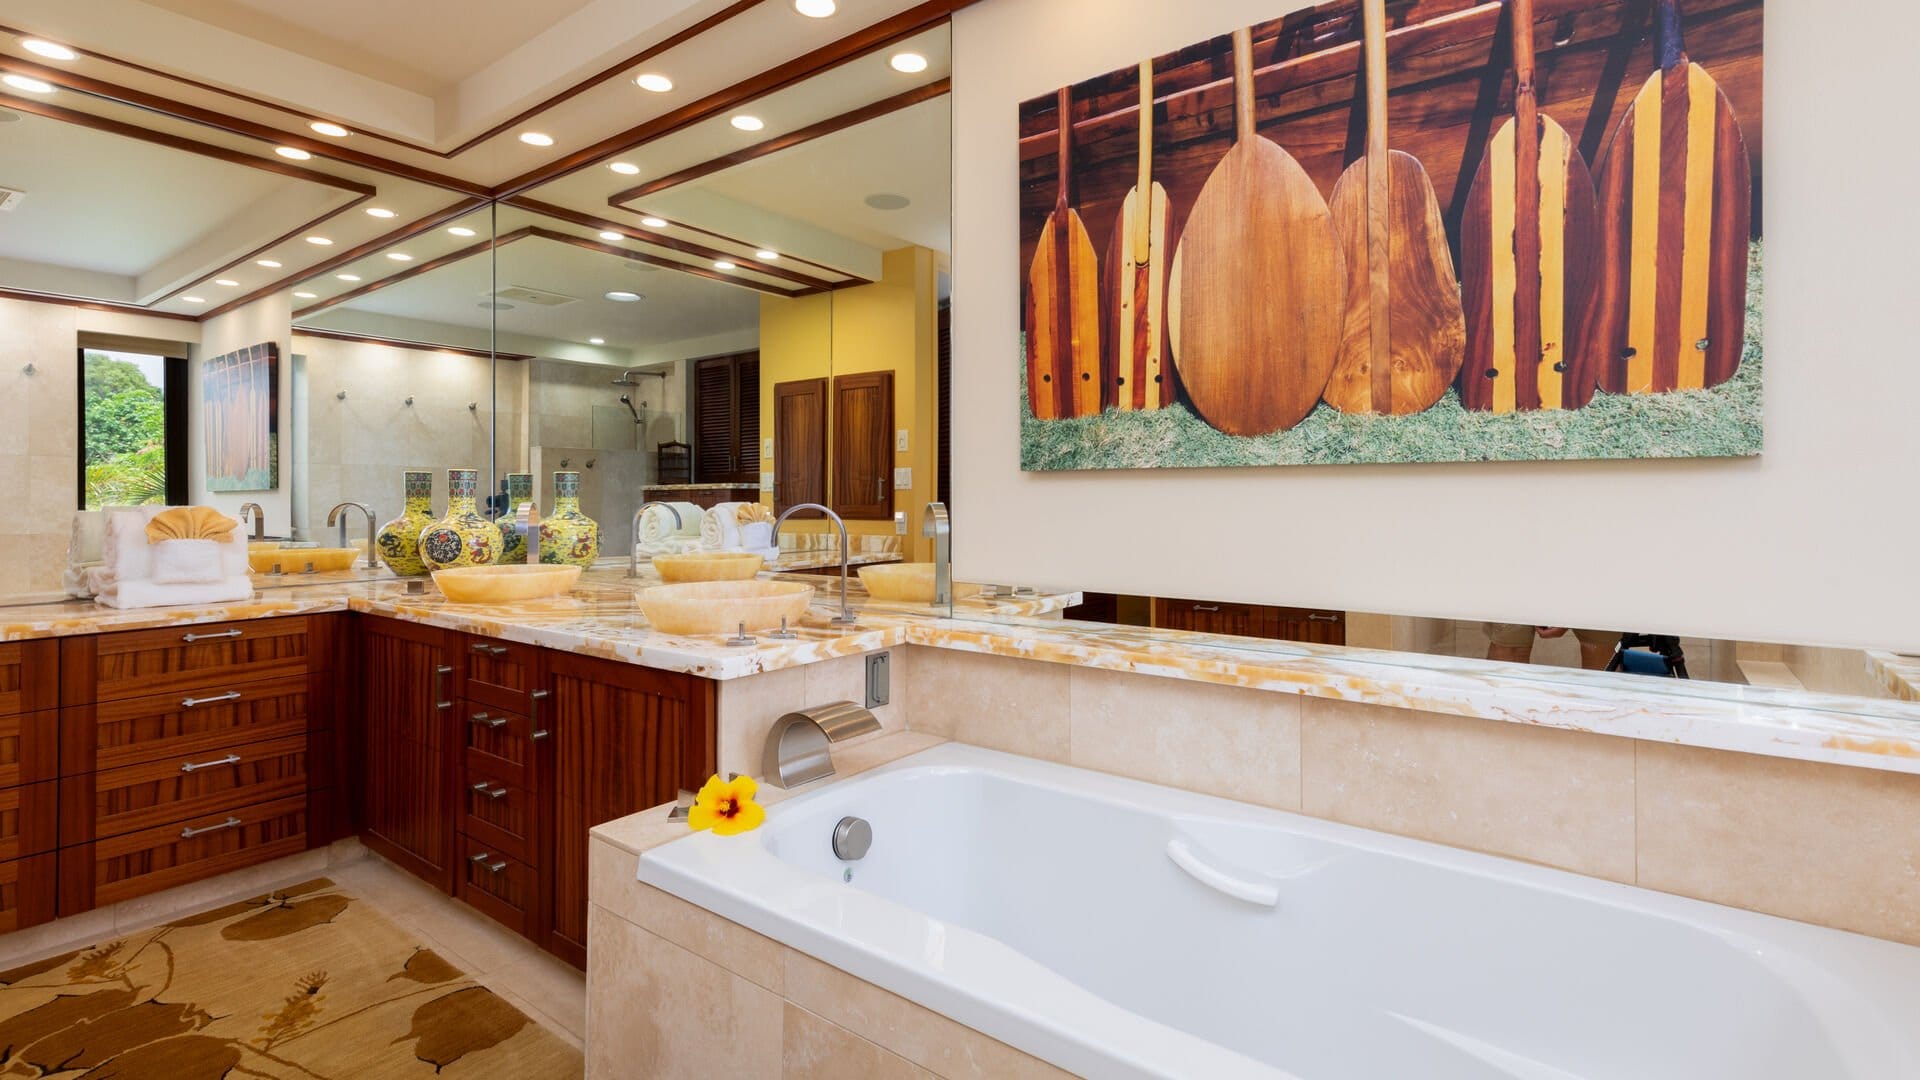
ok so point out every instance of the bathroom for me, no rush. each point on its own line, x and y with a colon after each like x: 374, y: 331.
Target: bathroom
x: 821, y: 682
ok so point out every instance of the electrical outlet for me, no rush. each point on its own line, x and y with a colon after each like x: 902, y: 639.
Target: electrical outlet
x: 900, y: 522
x: 900, y: 440
x: 766, y: 447
x: 903, y: 477
x: 766, y: 481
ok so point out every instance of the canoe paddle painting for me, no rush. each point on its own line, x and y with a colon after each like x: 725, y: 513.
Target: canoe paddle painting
x: 1401, y: 231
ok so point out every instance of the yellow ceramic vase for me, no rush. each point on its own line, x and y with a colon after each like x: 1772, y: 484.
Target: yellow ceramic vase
x: 463, y: 537
x: 568, y: 537
x: 399, y: 539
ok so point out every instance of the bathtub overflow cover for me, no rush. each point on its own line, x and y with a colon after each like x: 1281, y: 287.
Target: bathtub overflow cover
x: 851, y: 838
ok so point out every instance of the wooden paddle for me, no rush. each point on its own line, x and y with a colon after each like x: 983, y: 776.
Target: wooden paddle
x: 1676, y: 193
x: 1526, y: 257
x: 1262, y: 282
x: 1063, y: 303
x: 1137, y: 260
x: 1405, y: 331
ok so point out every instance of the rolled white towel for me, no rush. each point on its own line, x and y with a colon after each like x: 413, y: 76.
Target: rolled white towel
x: 657, y: 524
x: 720, y: 528
x: 187, y: 562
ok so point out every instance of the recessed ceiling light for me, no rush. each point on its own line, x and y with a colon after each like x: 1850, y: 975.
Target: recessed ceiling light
x: 623, y: 297
x: 654, y: 222
x: 379, y: 212
x: 659, y: 84
x: 307, y: 295
x: 226, y: 281
x: 330, y: 129
x: 348, y: 277
x: 748, y: 123
x: 536, y: 138
x: 722, y: 264
x: 192, y: 300
x: 596, y: 341
x: 399, y: 256
x: 47, y: 49
x: 461, y: 230
x: 320, y: 240
x: 31, y: 86
x: 888, y: 201
x: 766, y: 256
x: 624, y: 168
x: 815, y: 9
x: 292, y: 153
x: 908, y: 63
x: 268, y: 263
x: 611, y: 235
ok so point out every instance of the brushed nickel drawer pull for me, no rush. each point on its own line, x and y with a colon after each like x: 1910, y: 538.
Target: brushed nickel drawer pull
x: 478, y: 646
x: 1323, y: 618
x: 496, y: 793
x: 534, y: 698
x: 191, y: 638
x: 1206, y: 607
x: 498, y: 650
x: 490, y: 721
x: 188, y: 834
x: 230, y: 759
x: 440, y: 672
x: 482, y: 857
x: 192, y: 702
x: 496, y: 867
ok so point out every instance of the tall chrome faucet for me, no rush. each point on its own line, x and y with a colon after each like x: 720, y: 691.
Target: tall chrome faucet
x: 251, y: 512
x: 338, y: 516
x: 633, y: 553
x: 845, y: 618
x: 939, y: 526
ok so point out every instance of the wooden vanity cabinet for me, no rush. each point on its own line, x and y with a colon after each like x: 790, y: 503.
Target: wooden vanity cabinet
x: 409, y: 696
x: 1314, y: 625
x: 29, y: 772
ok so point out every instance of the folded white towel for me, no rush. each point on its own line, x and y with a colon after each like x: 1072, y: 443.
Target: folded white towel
x: 187, y: 562
x: 756, y: 535
x: 720, y: 527
x: 657, y: 523
x: 144, y: 593
x: 673, y: 546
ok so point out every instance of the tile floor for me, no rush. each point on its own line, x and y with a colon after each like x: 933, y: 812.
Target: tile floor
x: 549, y: 991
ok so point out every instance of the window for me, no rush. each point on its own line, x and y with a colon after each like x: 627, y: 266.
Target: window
x: 133, y: 421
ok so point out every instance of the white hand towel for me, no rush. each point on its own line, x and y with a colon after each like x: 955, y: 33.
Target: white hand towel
x: 143, y: 593
x: 756, y: 535
x: 657, y: 524
x: 188, y: 562
x: 720, y: 528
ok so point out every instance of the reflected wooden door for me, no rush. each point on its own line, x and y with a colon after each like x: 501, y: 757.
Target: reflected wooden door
x: 799, y: 443
x: 863, y: 445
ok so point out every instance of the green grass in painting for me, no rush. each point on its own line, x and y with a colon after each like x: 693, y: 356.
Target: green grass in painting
x: 1722, y: 422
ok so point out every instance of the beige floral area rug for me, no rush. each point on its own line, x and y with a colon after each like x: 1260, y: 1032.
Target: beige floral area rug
x: 305, y: 983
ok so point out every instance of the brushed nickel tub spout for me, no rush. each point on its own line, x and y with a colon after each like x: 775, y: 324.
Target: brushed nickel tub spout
x: 798, y: 748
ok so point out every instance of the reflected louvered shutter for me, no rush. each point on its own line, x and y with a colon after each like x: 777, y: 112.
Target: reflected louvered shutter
x: 713, y: 408
x: 746, y: 382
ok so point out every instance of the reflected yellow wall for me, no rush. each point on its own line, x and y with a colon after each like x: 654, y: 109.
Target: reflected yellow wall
x: 890, y: 325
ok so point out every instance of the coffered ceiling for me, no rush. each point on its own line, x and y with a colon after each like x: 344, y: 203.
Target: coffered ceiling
x: 188, y: 129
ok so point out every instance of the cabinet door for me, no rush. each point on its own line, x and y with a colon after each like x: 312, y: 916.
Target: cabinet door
x: 1314, y: 625
x: 622, y: 739
x: 407, y: 761
x: 1214, y: 617
x: 863, y: 446
x: 799, y: 443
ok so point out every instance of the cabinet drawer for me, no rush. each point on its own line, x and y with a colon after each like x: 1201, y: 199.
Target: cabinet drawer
x: 122, y: 867
x: 499, y: 814
x: 498, y: 673
x: 128, y: 731
x: 29, y: 747
x: 111, y: 802
x: 497, y: 884
x: 27, y: 816
x: 26, y: 891
x: 177, y: 659
x: 29, y: 676
x: 497, y: 743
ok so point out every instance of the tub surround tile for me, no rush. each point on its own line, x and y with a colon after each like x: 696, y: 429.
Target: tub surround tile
x: 1000, y: 703
x: 1562, y: 798
x: 756, y: 958
x: 747, y: 709
x: 1819, y: 843
x: 926, y: 1038
x: 655, y: 1009
x: 816, y: 1049
x: 1241, y: 744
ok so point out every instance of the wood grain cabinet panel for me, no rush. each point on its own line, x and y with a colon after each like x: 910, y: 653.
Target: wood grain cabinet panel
x: 1313, y: 625
x: 406, y: 765
x: 863, y: 446
x: 29, y: 747
x: 799, y: 443
x: 1214, y: 617
x: 498, y: 673
x: 181, y: 659
x: 622, y: 738
x: 500, y: 886
x: 27, y: 891
x: 498, y: 745
x: 500, y: 814
x: 114, y: 734
x: 27, y: 817
x: 111, y: 802
x: 122, y: 867
x: 28, y: 681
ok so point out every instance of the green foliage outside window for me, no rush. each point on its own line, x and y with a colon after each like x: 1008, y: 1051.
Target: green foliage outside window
x: 125, y: 432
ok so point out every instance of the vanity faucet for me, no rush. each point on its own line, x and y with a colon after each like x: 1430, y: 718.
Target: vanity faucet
x: 251, y: 512
x: 338, y: 516
x: 633, y: 552
x: 845, y: 618
x: 939, y: 526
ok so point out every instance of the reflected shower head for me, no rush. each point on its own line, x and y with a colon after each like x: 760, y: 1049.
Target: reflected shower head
x: 628, y: 402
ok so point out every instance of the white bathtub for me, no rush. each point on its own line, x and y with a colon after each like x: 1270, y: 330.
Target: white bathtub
x: 1088, y: 920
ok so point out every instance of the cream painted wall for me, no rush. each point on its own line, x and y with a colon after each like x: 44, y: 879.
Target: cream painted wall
x: 40, y: 429
x: 1811, y: 542
x: 268, y: 319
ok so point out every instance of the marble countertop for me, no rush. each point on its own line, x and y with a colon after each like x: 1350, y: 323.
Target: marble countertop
x: 1899, y: 673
